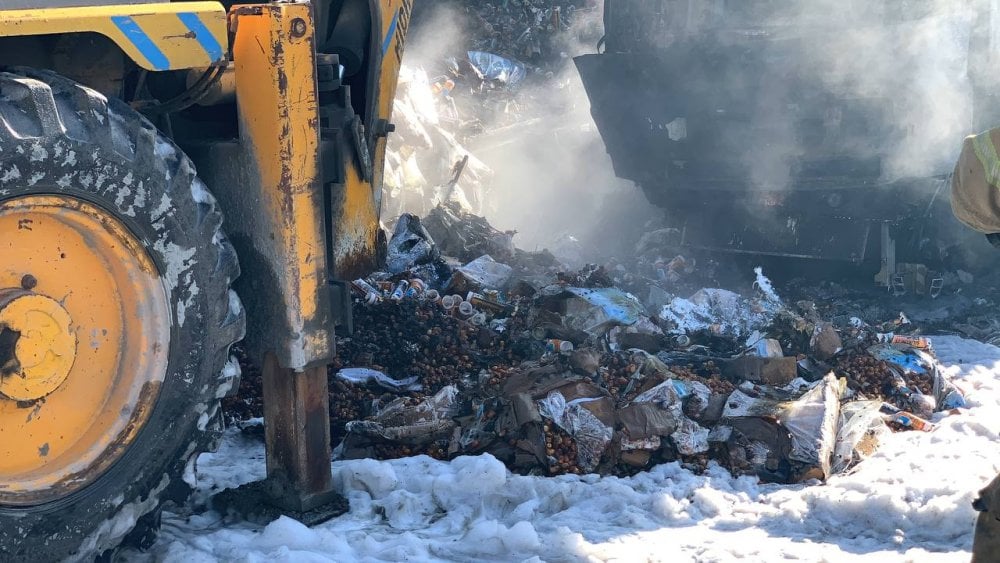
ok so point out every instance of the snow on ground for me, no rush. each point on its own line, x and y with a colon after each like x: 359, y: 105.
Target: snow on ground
x: 909, y: 502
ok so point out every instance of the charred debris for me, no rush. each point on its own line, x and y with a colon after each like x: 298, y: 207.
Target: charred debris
x: 465, y: 344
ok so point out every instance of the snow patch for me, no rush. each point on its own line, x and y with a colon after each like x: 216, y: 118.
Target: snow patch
x: 11, y: 173
x: 177, y: 260
x: 38, y: 153
x: 200, y: 194
x: 910, y: 501
x: 231, y: 373
x: 110, y: 532
x: 184, y: 304
x: 235, y: 305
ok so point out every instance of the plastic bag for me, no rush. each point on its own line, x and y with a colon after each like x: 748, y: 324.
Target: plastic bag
x: 812, y: 421
x: 410, y: 245
x: 597, y: 310
x: 362, y: 376
x: 690, y: 437
x: 591, y: 435
x: 861, y: 430
x: 401, y: 421
x: 496, y: 68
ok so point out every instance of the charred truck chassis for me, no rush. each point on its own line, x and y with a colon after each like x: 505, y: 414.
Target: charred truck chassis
x: 723, y: 130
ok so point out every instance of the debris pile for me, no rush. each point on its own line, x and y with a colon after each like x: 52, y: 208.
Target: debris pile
x: 465, y: 344
x: 533, y: 31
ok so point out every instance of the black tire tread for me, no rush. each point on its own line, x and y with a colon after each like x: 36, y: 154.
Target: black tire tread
x: 41, y: 104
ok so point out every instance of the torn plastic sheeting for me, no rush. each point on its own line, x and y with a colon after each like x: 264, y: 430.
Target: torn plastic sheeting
x: 693, y: 392
x: 649, y: 364
x: 813, y: 420
x: 658, y: 411
x: 363, y: 376
x: 598, y: 310
x: 664, y: 394
x: 500, y: 69
x: 947, y: 395
x: 410, y: 245
x: 690, y: 437
x: 861, y: 429
x: 951, y: 397
x: 720, y: 311
x: 741, y: 405
x: 401, y: 421
x: 644, y: 421
x: 647, y: 331
x: 417, y: 433
x: 591, y: 435
x: 487, y: 272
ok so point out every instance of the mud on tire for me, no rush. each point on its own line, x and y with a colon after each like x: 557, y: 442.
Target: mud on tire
x: 58, y: 137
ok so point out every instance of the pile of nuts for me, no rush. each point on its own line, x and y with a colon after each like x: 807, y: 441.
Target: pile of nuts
x: 709, y: 375
x: 498, y: 374
x: 867, y: 375
x: 347, y: 402
x: 923, y: 382
x: 561, y: 450
x: 617, y: 370
x: 418, y: 338
x: 396, y: 451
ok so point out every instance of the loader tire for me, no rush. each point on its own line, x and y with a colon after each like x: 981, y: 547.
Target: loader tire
x: 107, y: 236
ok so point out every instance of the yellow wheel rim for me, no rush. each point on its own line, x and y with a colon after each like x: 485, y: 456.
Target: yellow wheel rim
x: 84, y: 336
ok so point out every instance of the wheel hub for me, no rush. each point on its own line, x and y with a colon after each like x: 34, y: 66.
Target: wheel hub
x: 39, y: 347
x: 84, y: 342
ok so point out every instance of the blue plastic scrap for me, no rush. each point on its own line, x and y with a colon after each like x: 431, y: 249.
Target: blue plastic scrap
x: 909, y: 360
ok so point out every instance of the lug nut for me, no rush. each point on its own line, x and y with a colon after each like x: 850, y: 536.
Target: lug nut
x: 28, y: 282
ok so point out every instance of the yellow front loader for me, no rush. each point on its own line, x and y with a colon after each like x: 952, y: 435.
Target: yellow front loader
x: 127, y: 133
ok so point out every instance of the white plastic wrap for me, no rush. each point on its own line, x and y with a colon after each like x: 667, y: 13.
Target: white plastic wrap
x: 591, y: 435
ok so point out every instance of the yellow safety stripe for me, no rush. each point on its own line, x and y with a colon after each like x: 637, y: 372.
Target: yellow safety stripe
x: 161, y: 36
x: 987, y: 154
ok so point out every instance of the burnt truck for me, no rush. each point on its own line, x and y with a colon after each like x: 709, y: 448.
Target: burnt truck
x: 799, y: 129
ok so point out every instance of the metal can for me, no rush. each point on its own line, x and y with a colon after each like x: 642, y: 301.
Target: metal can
x: 401, y: 287
x: 558, y: 346
x: 366, y: 290
x: 921, y: 342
